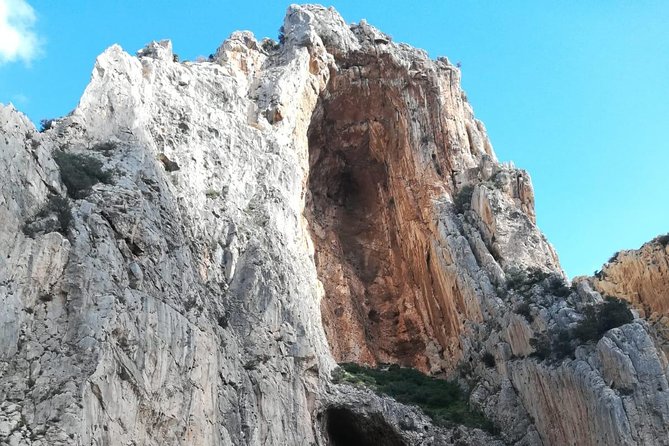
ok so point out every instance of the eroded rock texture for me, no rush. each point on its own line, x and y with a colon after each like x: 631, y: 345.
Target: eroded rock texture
x: 270, y: 212
x: 392, y: 140
x: 376, y: 166
x: 641, y: 277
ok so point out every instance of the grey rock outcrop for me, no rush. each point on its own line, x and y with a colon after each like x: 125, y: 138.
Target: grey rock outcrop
x: 203, y: 293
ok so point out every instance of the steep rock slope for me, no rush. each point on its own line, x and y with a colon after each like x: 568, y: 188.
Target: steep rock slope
x: 391, y: 141
x: 641, y: 277
x: 159, y: 321
x: 269, y: 212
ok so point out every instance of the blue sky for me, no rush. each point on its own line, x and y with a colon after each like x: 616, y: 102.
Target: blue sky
x: 575, y: 92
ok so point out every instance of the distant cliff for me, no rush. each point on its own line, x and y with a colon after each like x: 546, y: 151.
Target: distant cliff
x: 187, y: 255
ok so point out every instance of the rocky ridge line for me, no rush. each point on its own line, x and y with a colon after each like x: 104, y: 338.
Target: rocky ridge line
x: 194, y: 298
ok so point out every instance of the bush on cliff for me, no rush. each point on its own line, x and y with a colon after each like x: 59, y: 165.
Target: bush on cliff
x: 56, y: 206
x: 463, y: 199
x: 443, y: 401
x: 596, y: 321
x: 601, y: 318
x: 663, y: 240
x: 80, y: 172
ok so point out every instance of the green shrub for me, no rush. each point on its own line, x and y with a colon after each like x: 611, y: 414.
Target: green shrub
x: 523, y: 280
x: 212, y: 193
x: 587, y: 328
x: 613, y: 313
x: 443, y: 401
x: 80, y: 172
x: 515, y: 278
x: 596, y: 321
x: 269, y: 45
x: 541, y: 345
x: 536, y: 275
x: 463, y: 199
x: 525, y: 310
x: 663, y: 240
x: 558, y: 287
x: 551, y: 347
x: 56, y: 205
x: 106, y: 148
x: 601, y: 318
x: 61, y: 207
x: 563, y: 346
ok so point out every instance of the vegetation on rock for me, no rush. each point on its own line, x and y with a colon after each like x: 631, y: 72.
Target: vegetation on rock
x: 57, y: 206
x: 521, y: 282
x: 488, y: 359
x: 463, y: 199
x: 80, y: 172
x: 443, y: 401
x: 663, y: 239
x: 597, y: 320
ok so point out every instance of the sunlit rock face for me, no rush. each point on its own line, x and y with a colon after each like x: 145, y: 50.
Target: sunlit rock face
x: 641, y: 277
x: 376, y: 166
x: 267, y: 213
x: 392, y: 141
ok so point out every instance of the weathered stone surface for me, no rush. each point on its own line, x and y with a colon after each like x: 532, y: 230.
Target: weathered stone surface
x: 640, y: 276
x: 273, y: 210
x: 395, y: 289
x: 391, y: 423
x: 606, y: 390
x: 184, y: 307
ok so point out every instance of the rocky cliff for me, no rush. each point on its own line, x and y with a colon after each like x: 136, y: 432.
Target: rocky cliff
x: 641, y: 277
x: 185, y: 257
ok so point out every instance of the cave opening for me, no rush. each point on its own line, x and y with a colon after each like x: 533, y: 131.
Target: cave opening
x: 343, y: 427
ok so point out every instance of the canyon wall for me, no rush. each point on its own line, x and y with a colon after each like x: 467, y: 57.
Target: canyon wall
x: 641, y: 277
x: 268, y: 213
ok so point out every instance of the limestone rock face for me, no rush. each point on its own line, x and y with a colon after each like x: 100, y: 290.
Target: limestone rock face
x: 383, y: 179
x: 270, y: 212
x: 641, y: 277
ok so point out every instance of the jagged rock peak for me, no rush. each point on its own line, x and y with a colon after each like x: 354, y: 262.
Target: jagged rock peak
x: 187, y: 255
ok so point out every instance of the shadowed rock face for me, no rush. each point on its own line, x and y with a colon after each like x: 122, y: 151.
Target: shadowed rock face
x: 346, y: 428
x: 371, y: 216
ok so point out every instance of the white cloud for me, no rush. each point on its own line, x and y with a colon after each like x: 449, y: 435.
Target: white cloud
x: 18, y: 40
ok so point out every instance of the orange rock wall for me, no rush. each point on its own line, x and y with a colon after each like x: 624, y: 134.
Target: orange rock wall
x: 639, y: 276
x: 379, y: 155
